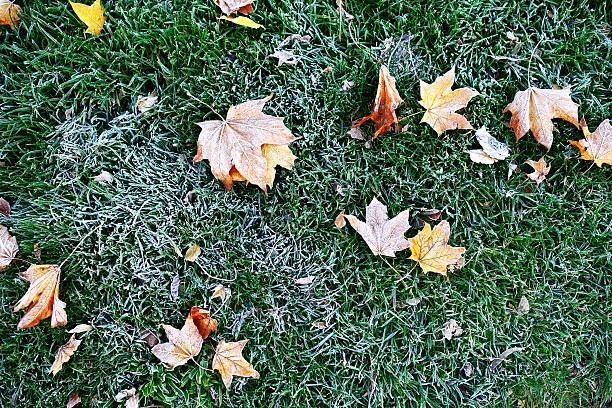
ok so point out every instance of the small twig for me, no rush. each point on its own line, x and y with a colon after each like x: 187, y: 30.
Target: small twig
x: 79, y: 245
x: 412, y: 114
x: 207, y: 105
x: 530, y: 58
x: 396, y: 271
x: 214, y: 277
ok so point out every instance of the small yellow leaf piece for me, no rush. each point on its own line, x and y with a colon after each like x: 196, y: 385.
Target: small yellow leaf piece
x: 243, y: 21
x: 64, y: 353
x: 81, y: 328
x: 541, y: 170
x: 340, y: 220
x: 8, y: 248
x: 596, y: 146
x: 93, y: 16
x: 431, y: 250
x: 9, y: 13
x: 229, y: 362
x: 221, y: 292
x: 534, y: 109
x: 182, y: 344
x: 441, y: 103
x: 42, y: 298
x: 193, y: 253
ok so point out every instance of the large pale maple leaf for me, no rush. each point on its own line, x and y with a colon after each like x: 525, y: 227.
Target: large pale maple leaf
x: 237, y: 141
x: 229, y: 362
x: 441, y: 103
x: 596, y: 146
x: 383, y: 236
x: 534, y: 109
x: 182, y: 345
x: 386, y: 101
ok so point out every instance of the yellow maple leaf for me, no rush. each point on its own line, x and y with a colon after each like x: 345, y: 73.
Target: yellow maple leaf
x: 42, y: 298
x: 243, y: 21
x: 93, y: 16
x: 229, y: 362
x: 431, y: 250
x: 441, y: 103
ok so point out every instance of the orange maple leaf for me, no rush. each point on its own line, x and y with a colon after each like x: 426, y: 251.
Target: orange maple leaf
x: 596, y: 146
x: 386, y: 101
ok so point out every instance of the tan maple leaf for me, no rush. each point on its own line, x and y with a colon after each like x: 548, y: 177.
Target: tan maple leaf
x: 202, y: 320
x: 8, y: 248
x: 383, y: 236
x: 42, y: 297
x: 596, y: 146
x: 221, y: 292
x: 275, y: 155
x: 534, y: 109
x: 541, y: 170
x: 441, y: 103
x: 431, y: 250
x: 235, y: 6
x: 182, y: 345
x: 9, y: 13
x: 229, y: 362
x: 237, y: 142
x: 386, y: 101
x: 64, y: 353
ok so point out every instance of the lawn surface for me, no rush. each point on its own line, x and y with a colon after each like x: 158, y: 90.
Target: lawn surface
x: 67, y: 113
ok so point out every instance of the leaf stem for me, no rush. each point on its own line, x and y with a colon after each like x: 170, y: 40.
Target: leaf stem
x: 207, y: 105
x: 530, y: 58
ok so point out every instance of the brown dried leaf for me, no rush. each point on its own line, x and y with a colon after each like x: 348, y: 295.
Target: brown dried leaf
x: 182, y: 345
x: 383, y: 236
x: 9, y: 13
x: 234, y: 6
x: 523, y: 306
x: 431, y: 250
x: 596, y: 146
x: 64, y: 353
x: 441, y: 103
x: 130, y: 397
x: 8, y: 248
x: 229, y: 362
x: 340, y: 221
x: 81, y: 328
x: 541, y: 170
x: 386, y: 101
x: 5, y: 207
x: 307, y: 280
x: 42, y: 298
x: 144, y: 103
x: 534, y: 109
x: 237, y: 142
x: 202, y: 320
x: 73, y: 400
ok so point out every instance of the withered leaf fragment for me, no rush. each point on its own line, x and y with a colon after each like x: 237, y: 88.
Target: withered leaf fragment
x: 193, y: 253
x: 596, y: 146
x: 492, y: 149
x: 81, y: 328
x: 73, y: 400
x: 182, y: 344
x: 234, y: 6
x: 221, y: 292
x: 229, y: 362
x: 202, y: 320
x: 237, y: 142
x: 42, y: 298
x: 541, y: 170
x: 431, y: 250
x: 534, y: 109
x: 383, y: 236
x: 64, y: 353
x: 386, y: 101
x: 8, y: 248
x: 340, y: 221
x: 9, y: 13
x: 451, y: 329
x: 5, y: 207
x: 130, y: 397
x: 441, y: 103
